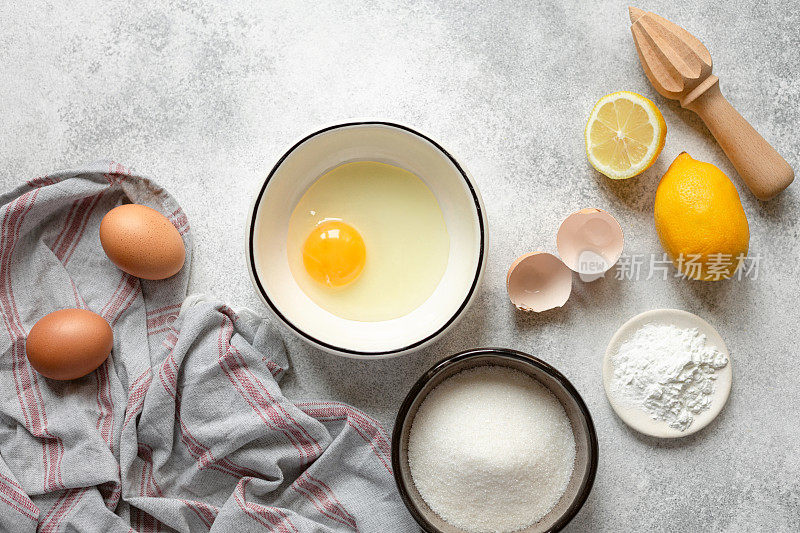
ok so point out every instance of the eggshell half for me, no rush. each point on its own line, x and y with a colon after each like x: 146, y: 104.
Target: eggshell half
x: 142, y: 242
x: 538, y: 281
x: 68, y: 344
x: 590, y: 241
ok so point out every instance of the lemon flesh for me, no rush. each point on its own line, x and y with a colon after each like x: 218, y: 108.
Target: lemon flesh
x: 624, y: 135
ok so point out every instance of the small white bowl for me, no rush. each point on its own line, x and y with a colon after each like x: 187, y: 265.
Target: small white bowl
x: 642, y: 421
x: 384, y: 142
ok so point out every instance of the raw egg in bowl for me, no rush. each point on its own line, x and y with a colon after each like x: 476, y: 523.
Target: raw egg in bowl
x: 367, y: 240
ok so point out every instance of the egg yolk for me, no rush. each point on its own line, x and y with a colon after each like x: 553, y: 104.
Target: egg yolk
x: 334, y: 254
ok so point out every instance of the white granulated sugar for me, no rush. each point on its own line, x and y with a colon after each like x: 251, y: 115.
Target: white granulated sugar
x: 668, y: 372
x: 491, y: 450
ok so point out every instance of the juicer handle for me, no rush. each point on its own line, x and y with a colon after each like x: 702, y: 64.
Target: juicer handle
x: 762, y: 168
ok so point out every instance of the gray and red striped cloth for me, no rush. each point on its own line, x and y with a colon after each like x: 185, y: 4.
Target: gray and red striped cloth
x: 184, y: 427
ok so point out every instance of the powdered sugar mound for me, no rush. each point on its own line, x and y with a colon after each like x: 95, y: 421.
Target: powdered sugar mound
x: 668, y: 372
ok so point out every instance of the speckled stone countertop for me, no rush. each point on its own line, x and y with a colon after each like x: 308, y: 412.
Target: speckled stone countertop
x: 205, y: 96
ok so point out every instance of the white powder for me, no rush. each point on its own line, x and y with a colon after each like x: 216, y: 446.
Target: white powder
x: 668, y: 372
x: 491, y: 449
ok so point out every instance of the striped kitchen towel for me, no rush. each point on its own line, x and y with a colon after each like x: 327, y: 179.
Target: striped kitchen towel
x: 184, y: 427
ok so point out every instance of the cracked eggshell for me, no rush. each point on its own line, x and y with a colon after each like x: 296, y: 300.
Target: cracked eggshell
x: 538, y: 281
x: 590, y: 241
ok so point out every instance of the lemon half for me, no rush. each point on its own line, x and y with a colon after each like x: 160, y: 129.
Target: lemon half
x: 624, y: 135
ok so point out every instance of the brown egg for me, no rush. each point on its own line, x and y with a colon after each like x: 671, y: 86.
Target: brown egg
x: 68, y: 344
x: 142, y: 242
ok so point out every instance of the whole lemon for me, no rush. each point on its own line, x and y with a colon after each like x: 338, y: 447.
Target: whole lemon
x: 700, y: 220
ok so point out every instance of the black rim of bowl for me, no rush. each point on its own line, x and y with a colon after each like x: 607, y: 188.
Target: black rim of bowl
x: 586, y: 487
x: 296, y: 329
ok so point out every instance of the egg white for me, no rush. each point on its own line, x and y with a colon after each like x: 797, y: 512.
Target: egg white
x: 404, y: 234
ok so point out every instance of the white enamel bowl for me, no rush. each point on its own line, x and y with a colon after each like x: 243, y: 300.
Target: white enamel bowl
x: 384, y: 142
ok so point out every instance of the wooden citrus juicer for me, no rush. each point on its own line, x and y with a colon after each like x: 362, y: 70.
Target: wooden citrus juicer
x: 679, y: 67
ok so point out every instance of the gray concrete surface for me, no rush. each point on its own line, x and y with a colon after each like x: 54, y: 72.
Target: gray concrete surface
x: 205, y: 96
